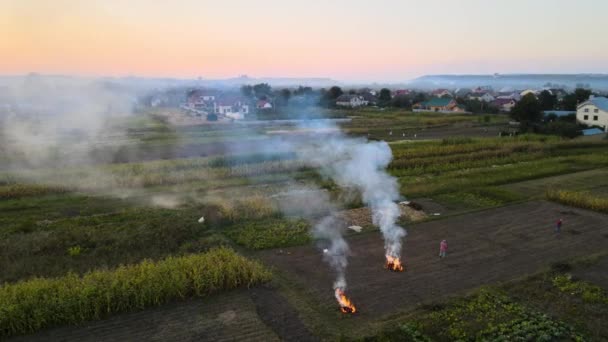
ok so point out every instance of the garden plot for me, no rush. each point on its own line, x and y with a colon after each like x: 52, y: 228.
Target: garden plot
x: 484, y: 247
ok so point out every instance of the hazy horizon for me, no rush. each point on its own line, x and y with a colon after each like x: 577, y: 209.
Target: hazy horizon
x: 348, y: 41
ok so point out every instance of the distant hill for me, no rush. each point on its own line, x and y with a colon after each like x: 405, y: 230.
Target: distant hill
x: 151, y: 82
x: 518, y: 81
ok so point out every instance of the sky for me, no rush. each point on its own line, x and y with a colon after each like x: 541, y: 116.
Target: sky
x: 382, y: 40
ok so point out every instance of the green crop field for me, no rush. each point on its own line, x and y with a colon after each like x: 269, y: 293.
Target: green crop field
x: 82, y: 241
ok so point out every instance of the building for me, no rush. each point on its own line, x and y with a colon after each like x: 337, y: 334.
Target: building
x: 441, y: 93
x: 483, y: 96
x: 505, y: 105
x: 200, y: 98
x: 351, y: 101
x: 371, y: 99
x: 264, y: 104
x: 528, y: 91
x: 439, y: 104
x: 462, y: 92
x: 593, y: 112
x: 401, y: 92
x: 231, y: 106
x: 509, y: 95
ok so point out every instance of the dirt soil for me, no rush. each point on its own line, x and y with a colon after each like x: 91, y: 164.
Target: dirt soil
x: 484, y: 247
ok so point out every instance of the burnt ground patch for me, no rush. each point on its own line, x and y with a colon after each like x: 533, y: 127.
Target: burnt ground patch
x: 484, y: 247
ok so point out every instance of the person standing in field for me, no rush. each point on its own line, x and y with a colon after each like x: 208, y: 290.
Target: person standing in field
x: 558, y: 226
x: 443, y: 248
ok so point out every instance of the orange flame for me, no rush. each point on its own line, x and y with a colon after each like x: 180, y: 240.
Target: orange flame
x: 346, y: 306
x: 393, y: 264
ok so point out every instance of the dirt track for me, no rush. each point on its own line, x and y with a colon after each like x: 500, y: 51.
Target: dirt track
x: 484, y: 247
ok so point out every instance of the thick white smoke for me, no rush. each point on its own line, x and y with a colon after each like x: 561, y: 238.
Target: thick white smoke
x: 358, y: 163
x: 336, y: 254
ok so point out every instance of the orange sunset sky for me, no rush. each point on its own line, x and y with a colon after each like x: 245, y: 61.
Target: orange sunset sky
x: 386, y: 40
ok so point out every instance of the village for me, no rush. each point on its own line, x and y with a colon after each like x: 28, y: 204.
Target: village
x: 582, y: 107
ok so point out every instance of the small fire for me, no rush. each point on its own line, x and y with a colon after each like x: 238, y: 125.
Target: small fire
x: 393, y: 264
x: 346, y: 306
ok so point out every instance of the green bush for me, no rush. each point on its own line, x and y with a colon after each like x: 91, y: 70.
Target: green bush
x: 270, y: 233
x: 42, y: 302
x: 492, y: 316
x: 588, y: 292
x: 74, y: 251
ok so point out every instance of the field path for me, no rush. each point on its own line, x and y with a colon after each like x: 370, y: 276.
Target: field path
x: 484, y: 247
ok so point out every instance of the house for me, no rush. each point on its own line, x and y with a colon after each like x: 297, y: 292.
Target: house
x: 462, y: 92
x: 593, y: 112
x: 351, y: 101
x: 483, y: 89
x: 509, y: 95
x: 231, y: 106
x: 200, y: 98
x: 401, y: 92
x: 439, y: 104
x: 483, y: 96
x: 528, y: 91
x: 504, y: 105
x: 441, y: 93
x: 370, y: 98
x: 263, y: 104
x: 559, y: 93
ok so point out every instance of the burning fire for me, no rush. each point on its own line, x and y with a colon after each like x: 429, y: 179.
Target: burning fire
x: 346, y: 306
x: 393, y: 264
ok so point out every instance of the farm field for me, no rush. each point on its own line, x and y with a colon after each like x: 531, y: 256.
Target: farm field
x: 486, y: 194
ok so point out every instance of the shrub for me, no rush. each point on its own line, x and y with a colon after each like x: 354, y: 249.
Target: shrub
x: 42, y: 302
x: 588, y: 292
x: 74, y: 251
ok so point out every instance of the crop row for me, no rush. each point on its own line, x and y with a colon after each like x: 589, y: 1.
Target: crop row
x: 42, y: 302
x: 579, y: 199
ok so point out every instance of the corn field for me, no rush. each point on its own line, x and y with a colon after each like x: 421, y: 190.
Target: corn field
x: 579, y: 199
x: 43, y: 302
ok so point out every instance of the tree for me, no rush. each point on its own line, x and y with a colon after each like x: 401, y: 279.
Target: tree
x: 385, y: 96
x: 334, y: 92
x: 582, y: 95
x: 247, y: 90
x: 303, y: 91
x: 527, y: 111
x: 570, y: 101
x: 401, y: 101
x: 262, y: 90
x: 547, y: 100
x: 285, y: 95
